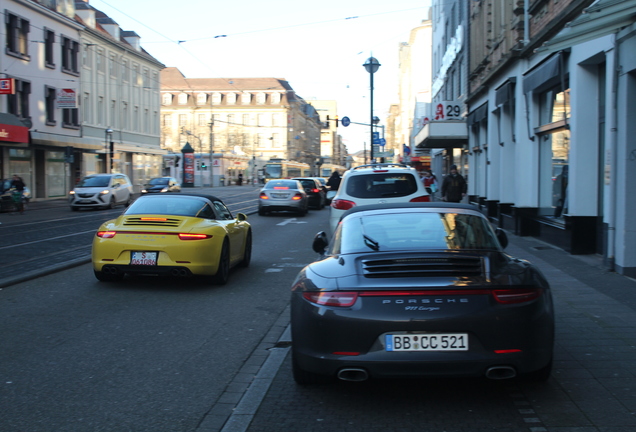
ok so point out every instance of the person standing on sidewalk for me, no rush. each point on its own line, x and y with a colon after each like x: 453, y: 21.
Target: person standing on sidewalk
x: 454, y: 186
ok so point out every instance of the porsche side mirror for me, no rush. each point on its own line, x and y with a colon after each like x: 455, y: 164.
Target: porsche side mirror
x: 241, y: 217
x: 502, y: 237
x: 320, y: 243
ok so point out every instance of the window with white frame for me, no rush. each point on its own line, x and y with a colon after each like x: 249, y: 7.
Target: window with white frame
x: 17, y: 35
x: 246, y: 98
x: 166, y: 99
x: 202, y: 98
x: 167, y: 120
x: 49, y: 105
x: 100, y: 111
x: 216, y: 98
x: 112, y: 66
x: 263, y: 119
x: 260, y: 98
x: 70, y: 56
x: 275, y: 98
x: 86, y: 109
x: 18, y: 103
x: 125, y: 71
x: 203, y: 119
x: 182, y: 98
x: 231, y: 98
x: 183, y: 120
x: 246, y: 119
x: 136, y: 79
x: 124, y: 116
x: 49, y: 44
x: 87, y: 56
x: 277, y: 119
x: 100, y: 62
x: 276, y: 141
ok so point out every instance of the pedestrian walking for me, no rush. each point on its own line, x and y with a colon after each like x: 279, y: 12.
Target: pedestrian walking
x: 430, y: 184
x: 454, y: 186
x: 334, y: 181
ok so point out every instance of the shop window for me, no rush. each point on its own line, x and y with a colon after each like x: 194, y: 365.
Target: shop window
x: 554, y: 152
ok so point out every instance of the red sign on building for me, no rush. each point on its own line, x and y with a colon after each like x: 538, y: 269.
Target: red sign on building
x: 7, y: 86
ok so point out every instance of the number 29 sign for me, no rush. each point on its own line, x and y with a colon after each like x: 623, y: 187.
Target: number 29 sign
x: 449, y: 110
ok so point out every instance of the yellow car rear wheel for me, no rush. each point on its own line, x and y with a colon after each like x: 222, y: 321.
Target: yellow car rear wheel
x: 223, y: 271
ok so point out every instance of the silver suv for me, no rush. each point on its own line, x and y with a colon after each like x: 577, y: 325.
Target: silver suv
x: 376, y: 184
x: 101, y: 191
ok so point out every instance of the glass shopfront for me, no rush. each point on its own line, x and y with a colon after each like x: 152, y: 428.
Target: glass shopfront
x: 554, y: 153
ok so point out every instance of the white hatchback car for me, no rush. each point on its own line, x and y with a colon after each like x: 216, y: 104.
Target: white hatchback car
x: 101, y: 191
x: 376, y: 184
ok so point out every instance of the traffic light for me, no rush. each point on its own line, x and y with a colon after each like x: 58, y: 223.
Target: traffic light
x: 327, y: 123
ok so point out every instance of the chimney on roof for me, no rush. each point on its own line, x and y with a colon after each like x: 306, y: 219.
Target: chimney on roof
x: 110, y: 26
x: 85, y: 12
x: 132, y: 38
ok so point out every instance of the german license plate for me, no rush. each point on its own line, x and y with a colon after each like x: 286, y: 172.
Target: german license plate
x: 143, y: 258
x: 427, y: 342
x: 275, y: 195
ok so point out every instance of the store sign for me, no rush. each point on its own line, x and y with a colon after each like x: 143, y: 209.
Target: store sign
x: 66, y: 98
x: 16, y: 134
x: 448, y: 110
x: 7, y: 86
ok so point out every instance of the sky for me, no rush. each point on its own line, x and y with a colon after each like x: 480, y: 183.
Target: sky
x: 318, y: 47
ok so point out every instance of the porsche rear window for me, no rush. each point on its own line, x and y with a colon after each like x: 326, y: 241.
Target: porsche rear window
x: 178, y: 206
x: 414, y: 231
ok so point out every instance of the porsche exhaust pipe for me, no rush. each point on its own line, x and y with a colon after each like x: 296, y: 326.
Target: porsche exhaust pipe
x: 501, y: 372
x: 353, y: 374
x: 179, y: 272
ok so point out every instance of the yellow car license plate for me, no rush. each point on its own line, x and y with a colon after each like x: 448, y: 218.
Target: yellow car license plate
x: 143, y: 258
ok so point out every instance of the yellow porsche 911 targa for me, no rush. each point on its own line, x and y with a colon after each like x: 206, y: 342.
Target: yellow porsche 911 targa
x: 180, y: 235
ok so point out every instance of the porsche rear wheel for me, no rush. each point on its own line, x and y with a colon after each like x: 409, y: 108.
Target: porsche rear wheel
x: 223, y: 272
x: 247, y: 254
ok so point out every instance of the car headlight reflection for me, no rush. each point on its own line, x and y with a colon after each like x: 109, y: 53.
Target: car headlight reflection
x: 105, y: 192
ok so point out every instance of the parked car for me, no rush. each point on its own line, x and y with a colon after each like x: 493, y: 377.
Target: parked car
x: 419, y: 290
x: 283, y: 195
x: 314, y: 191
x: 101, y: 191
x: 162, y: 185
x: 179, y: 235
x: 376, y: 183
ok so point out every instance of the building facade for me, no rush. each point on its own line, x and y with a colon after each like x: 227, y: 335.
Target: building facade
x: 79, y: 84
x: 441, y: 133
x: 551, y: 95
x: 242, y: 122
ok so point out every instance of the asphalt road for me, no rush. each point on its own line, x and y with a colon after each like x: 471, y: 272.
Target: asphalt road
x: 146, y: 354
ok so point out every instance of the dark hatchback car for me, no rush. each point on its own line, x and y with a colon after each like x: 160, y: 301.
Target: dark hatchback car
x: 314, y: 190
x: 162, y: 185
x: 419, y: 290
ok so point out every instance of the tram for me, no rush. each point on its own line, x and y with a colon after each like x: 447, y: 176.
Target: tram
x: 280, y: 169
x: 327, y: 168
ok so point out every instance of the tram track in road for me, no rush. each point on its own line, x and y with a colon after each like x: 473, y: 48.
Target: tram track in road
x: 55, y: 239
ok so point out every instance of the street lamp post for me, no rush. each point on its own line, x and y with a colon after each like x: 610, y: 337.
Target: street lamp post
x: 372, y: 65
x: 108, y: 149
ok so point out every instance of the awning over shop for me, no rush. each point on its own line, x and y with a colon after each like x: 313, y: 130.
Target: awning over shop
x: 543, y: 74
x: 506, y: 92
x: 442, y: 134
x: 12, y: 130
x: 604, y: 17
x: 478, y: 115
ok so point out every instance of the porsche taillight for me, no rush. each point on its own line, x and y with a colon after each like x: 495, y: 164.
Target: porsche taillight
x: 331, y: 298
x: 519, y: 295
x: 190, y: 236
x: 106, y: 234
